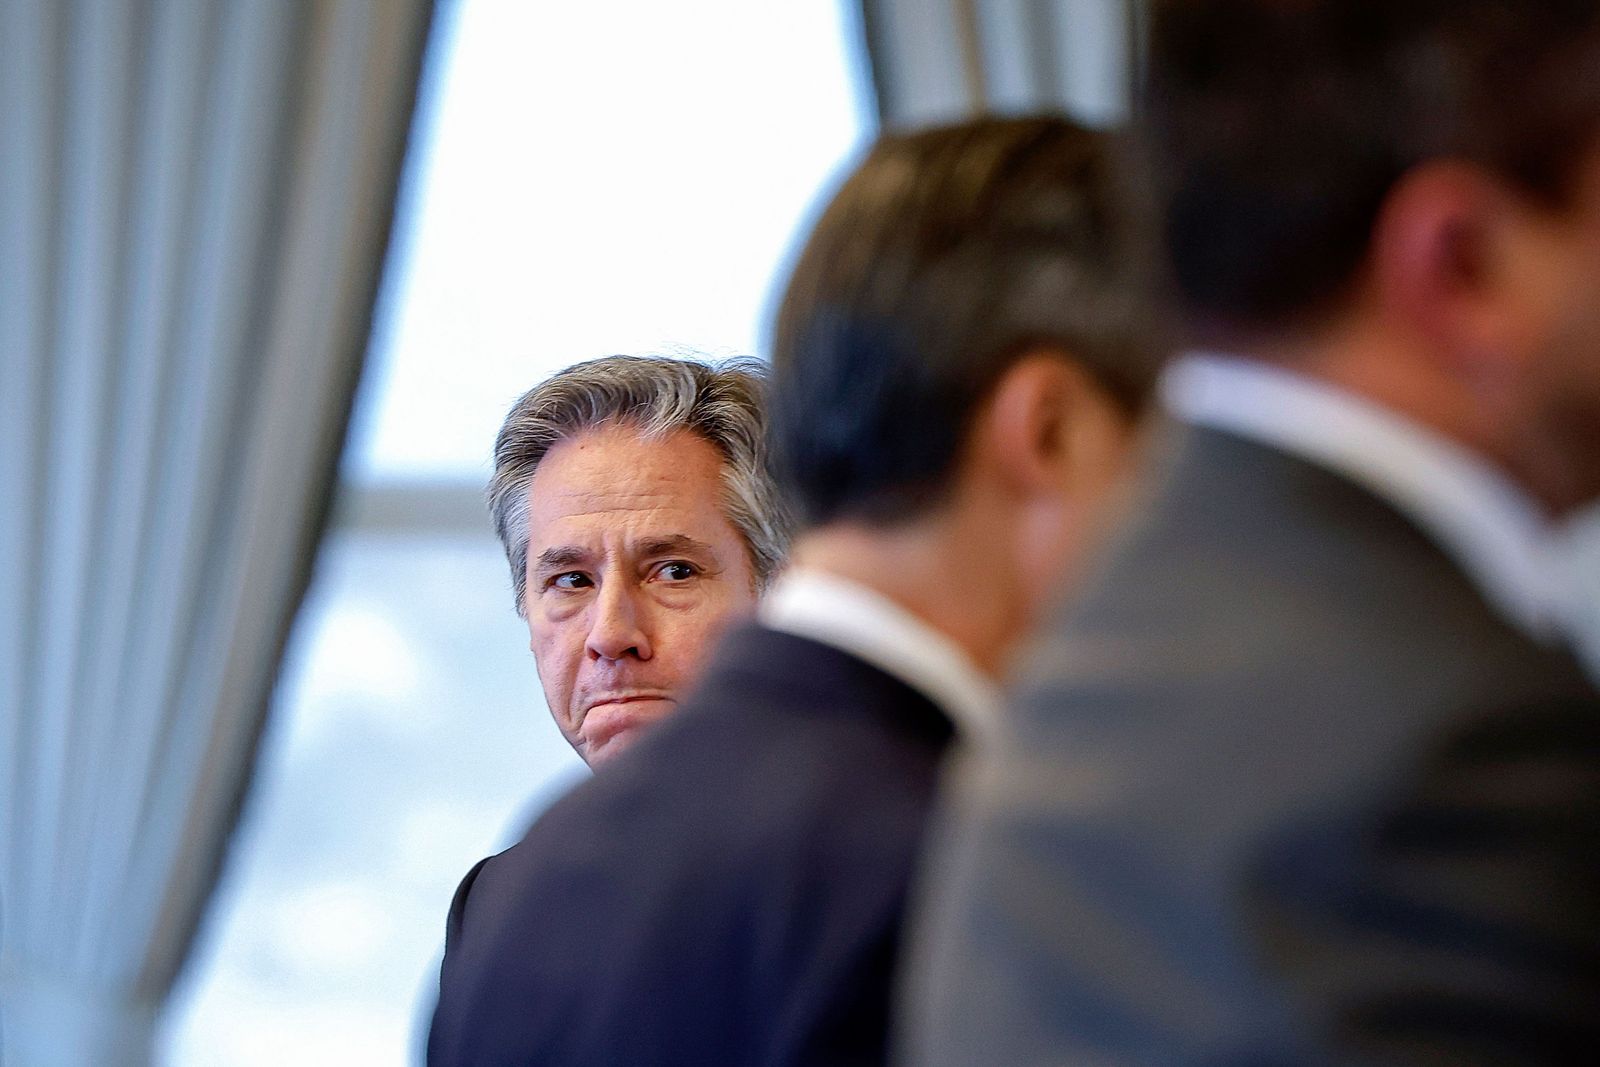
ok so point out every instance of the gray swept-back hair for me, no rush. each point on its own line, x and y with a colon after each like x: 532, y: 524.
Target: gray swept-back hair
x: 723, y: 402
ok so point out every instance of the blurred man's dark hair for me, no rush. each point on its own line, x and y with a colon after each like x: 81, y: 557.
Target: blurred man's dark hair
x: 944, y: 258
x: 1280, y: 126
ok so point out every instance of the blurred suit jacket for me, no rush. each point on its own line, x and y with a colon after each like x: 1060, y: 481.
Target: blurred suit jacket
x: 1280, y: 789
x: 730, y: 891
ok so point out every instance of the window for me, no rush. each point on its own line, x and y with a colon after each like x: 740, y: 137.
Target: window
x: 585, y: 179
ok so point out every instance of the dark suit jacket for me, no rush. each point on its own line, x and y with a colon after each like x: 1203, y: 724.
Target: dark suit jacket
x: 1280, y: 788
x: 730, y: 891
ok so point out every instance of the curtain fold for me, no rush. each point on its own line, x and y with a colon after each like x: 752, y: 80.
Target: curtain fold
x: 943, y: 60
x: 195, y: 199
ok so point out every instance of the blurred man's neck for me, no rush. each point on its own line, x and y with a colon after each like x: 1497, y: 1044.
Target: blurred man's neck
x: 935, y: 569
x: 1402, y: 377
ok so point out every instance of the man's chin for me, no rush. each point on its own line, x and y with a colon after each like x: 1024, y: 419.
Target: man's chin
x: 610, y: 728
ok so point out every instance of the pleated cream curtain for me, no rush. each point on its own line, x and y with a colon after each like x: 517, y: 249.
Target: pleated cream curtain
x: 195, y: 198
x: 943, y: 60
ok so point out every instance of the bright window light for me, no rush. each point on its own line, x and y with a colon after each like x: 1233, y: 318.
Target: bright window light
x: 586, y: 179
x: 602, y: 178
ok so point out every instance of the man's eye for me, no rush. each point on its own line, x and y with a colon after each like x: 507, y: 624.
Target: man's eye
x: 677, y: 571
x: 571, y: 580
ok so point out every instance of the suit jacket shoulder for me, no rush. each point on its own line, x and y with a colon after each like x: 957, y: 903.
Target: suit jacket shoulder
x: 1257, y: 798
x: 729, y: 891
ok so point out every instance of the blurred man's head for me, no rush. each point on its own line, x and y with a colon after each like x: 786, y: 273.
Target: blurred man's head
x: 960, y: 355
x: 1403, y: 198
x: 637, y: 511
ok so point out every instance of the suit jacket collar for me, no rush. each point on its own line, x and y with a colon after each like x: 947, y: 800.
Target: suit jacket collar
x: 855, y: 619
x: 824, y: 679
x: 1475, y: 514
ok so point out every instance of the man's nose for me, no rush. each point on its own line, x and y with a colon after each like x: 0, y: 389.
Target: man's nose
x: 617, y: 629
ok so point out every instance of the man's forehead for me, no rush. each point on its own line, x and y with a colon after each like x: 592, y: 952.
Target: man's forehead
x: 625, y: 494
x: 619, y: 469
x: 633, y: 497
x: 586, y: 512
x: 617, y: 455
x: 614, y: 489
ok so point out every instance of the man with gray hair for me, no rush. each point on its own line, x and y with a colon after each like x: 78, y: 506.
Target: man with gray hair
x: 633, y: 497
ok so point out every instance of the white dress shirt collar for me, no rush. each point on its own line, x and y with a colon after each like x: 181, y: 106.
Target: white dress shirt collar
x: 1474, y: 513
x: 852, y: 618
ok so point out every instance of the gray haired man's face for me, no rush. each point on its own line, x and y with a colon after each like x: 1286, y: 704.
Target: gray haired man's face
x: 633, y: 572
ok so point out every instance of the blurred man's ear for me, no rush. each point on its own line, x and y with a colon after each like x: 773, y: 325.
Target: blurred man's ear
x: 1049, y: 426
x: 1047, y: 451
x: 1462, y: 261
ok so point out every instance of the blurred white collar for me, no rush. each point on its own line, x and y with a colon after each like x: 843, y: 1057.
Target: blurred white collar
x: 868, y: 625
x: 1475, y: 513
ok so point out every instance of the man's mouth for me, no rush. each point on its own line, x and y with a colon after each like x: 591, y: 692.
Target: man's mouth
x: 618, y: 699
x: 609, y: 717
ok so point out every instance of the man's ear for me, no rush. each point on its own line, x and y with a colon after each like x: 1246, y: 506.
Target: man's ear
x: 1449, y: 261
x: 1043, y: 423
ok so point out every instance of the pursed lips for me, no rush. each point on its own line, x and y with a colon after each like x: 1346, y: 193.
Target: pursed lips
x: 629, y: 697
x: 616, y: 716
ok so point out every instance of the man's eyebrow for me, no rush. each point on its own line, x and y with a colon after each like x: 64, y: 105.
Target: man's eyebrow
x: 560, y: 556
x: 675, y: 545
